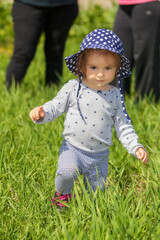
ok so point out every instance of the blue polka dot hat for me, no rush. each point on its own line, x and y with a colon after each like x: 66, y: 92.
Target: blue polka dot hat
x: 103, y: 39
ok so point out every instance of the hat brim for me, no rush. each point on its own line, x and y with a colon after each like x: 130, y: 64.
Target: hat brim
x: 123, y: 72
x: 71, y: 62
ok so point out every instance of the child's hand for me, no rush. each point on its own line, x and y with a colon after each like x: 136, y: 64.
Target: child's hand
x: 37, y: 113
x: 142, y: 155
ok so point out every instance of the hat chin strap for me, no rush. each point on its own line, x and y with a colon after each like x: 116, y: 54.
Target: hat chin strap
x: 122, y: 97
x: 78, y: 106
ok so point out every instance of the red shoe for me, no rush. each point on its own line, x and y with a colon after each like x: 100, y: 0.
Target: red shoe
x: 63, y: 198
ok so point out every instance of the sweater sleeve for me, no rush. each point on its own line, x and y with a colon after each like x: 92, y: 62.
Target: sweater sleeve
x: 124, y: 129
x: 58, y: 105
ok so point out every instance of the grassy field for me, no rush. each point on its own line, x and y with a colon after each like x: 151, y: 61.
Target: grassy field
x: 130, y: 206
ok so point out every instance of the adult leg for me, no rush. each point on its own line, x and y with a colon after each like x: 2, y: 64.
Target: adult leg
x: 123, y: 29
x: 28, y: 25
x: 58, y: 22
x: 146, y: 32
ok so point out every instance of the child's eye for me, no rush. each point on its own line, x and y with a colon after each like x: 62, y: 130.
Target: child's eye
x: 108, y: 68
x: 93, y: 67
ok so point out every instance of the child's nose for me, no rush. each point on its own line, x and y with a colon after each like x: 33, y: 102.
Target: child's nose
x: 100, y: 74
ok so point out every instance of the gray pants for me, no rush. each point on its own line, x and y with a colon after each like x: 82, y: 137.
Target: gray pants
x: 74, y: 162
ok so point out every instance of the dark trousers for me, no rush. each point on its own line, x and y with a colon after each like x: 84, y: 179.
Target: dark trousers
x: 29, y: 23
x: 138, y: 27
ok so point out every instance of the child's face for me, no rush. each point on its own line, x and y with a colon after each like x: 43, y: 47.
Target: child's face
x: 100, y: 70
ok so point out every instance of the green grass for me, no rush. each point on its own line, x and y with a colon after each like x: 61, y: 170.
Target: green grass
x: 130, y: 206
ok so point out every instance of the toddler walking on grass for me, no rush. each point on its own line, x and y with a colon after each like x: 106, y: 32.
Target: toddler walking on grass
x: 92, y: 107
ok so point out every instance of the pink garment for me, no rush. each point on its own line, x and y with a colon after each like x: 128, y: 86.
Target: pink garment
x: 130, y: 2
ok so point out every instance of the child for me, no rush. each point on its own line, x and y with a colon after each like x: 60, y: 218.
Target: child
x: 92, y: 106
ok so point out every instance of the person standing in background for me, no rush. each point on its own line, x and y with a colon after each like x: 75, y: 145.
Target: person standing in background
x: 31, y: 18
x: 137, y: 24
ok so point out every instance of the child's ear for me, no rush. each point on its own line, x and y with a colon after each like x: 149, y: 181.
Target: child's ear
x: 116, y: 75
